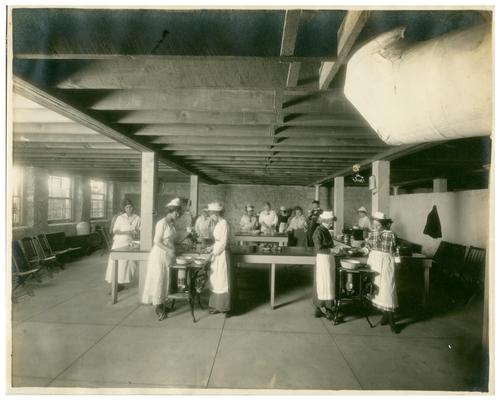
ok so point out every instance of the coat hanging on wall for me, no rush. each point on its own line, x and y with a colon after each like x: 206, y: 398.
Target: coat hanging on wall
x: 433, y: 225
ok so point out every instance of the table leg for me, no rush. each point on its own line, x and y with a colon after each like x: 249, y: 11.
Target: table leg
x: 427, y: 270
x: 273, y: 281
x: 114, y: 282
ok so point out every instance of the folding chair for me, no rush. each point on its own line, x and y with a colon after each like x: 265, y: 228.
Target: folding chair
x: 45, y: 257
x: 105, y: 238
x: 22, y: 271
x: 42, y: 239
x: 28, y: 246
x: 472, y: 273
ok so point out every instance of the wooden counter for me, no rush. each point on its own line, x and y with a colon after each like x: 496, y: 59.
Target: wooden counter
x: 248, y: 237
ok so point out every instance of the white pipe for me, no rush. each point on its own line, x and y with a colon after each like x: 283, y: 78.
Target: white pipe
x: 418, y: 92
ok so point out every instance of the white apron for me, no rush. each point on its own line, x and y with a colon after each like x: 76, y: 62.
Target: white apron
x: 218, y: 268
x: 325, y: 288
x: 126, y: 268
x: 385, y: 280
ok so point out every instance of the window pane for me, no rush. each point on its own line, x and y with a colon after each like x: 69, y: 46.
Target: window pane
x: 97, y: 187
x: 59, y: 209
x: 59, y: 186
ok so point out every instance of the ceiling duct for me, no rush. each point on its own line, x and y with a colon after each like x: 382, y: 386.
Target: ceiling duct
x: 435, y: 90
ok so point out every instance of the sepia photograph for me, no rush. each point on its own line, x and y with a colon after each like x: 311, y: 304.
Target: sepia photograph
x: 249, y: 200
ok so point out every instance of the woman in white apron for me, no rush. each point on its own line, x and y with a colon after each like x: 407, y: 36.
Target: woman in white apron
x: 381, y: 247
x: 324, y: 272
x: 220, y: 271
x: 161, y: 257
x: 124, y: 229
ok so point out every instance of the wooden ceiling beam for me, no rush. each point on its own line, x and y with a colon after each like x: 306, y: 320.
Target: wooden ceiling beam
x: 288, y: 41
x: 34, y: 93
x: 361, y: 145
x: 352, y: 151
x: 38, y: 115
x: 213, y: 130
x: 351, y: 27
x: 312, y: 156
x: 183, y: 99
x: 63, y: 128
x: 188, y: 117
x: 62, y: 138
x: 171, y: 57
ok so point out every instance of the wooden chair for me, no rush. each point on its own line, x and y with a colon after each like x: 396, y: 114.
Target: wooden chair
x: 472, y: 273
x: 33, y: 257
x: 46, y: 257
x: 22, y: 271
x: 42, y: 239
x: 105, y: 239
x: 58, y: 243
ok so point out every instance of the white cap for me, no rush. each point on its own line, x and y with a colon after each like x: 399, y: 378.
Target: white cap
x: 362, y: 209
x: 379, y: 215
x: 327, y: 215
x: 174, y: 202
x: 282, y: 208
x: 249, y: 207
x: 215, y: 206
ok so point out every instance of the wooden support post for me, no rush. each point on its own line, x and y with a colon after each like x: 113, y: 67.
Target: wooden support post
x: 316, y: 192
x: 338, y: 204
x: 380, y: 195
x: 193, y: 194
x: 149, y: 184
x: 439, y: 185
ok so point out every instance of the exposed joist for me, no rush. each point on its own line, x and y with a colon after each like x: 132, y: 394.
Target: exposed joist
x: 351, y: 27
x: 312, y: 156
x: 184, y: 99
x: 193, y: 117
x: 389, y: 155
x: 197, y: 73
x: 361, y: 152
x: 52, y: 128
x: 68, y: 138
x: 170, y: 57
x: 38, y: 115
x: 292, y: 78
x: 262, y: 131
x: 288, y: 41
x: 39, y: 96
x: 359, y: 144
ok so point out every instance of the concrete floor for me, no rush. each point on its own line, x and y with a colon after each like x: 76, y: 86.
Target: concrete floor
x: 69, y: 335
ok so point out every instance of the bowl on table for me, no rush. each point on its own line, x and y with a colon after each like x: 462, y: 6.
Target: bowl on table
x: 255, y: 232
x: 350, y: 264
x: 181, y: 261
x: 200, y: 261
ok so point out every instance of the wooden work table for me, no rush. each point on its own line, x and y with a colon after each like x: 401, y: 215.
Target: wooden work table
x: 306, y: 256
x: 249, y: 237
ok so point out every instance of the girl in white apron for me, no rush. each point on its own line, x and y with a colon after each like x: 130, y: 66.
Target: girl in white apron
x: 161, y: 257
x: 324, y: 272
x: 221, y: 283
x: 381, y: 247
x: 125, y: 227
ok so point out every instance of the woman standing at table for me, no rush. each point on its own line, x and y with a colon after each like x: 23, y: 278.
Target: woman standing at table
x: 324, y: 271
x: 268, y: 219
x: 381, y: 247
x: 161, y: 257
x: 125, y: 228
x: 297, y: 228
x: 221, y: 275
x: 248, y: 221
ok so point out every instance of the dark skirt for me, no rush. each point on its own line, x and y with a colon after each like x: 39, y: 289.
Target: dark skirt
x: 299, y: 238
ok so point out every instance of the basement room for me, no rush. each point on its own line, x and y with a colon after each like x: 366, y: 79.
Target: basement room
x: 262, y: 200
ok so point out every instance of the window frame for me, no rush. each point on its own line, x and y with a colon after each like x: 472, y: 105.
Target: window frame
x: 18, y: 185
x: 70, y: 198
x: 104, y: 200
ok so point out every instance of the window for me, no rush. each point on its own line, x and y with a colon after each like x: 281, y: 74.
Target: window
x: 60, y: 193
x: 97, y: 199
x: 17, y: 196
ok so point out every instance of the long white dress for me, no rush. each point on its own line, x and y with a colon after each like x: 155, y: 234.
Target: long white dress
x: 219, y: 269
x: 157, y: 281
x: 126, y: 269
